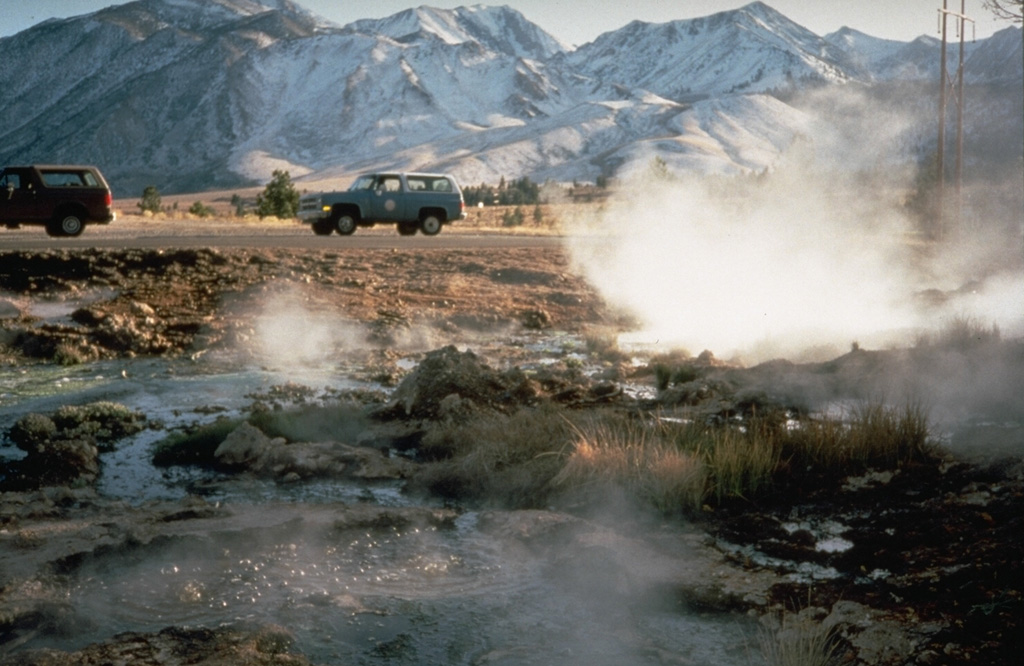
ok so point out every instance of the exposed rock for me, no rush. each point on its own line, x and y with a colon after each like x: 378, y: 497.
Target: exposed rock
x: 448, y: 372
x: 244, y: 446
x: 142, y: 309
x: 875, y: 637
x: 368, y: 516
x: 250, y: 448
x: 8, y: 310
x: 536, y: 319
x: 89, y: 316
x: 177, y: 646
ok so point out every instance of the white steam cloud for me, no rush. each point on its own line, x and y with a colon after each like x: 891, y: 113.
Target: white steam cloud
x: 297, y: 339
x: 800, y: 262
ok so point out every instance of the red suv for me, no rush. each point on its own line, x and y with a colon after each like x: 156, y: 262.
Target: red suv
x: 63, y: 197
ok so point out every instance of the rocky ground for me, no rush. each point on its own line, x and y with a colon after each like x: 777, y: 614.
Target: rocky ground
x: 928, y: 569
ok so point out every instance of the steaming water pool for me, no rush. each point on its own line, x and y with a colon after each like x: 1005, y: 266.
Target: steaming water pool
x: 452, y: 596
x: 170, y: 392
x: 449, y: 596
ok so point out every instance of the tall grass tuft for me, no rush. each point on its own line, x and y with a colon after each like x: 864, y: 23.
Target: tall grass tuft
x: 680, y: 466
x: 742, y: 461
x: 615, y: 451
x: 873, y: 434
x: 799, y: 641
x: 962, y: 333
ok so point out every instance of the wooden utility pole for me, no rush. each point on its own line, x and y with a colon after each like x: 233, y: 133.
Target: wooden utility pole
x: 957, y: 87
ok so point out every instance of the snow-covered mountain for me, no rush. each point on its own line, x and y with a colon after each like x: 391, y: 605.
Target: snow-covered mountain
x: 500, y: 31
x: 753, y: 49
x: 1000, y: 58
x: 210, y: 94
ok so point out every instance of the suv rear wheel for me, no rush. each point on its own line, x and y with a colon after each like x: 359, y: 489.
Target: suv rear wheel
x: 65, y: 224
x: 430, y: 225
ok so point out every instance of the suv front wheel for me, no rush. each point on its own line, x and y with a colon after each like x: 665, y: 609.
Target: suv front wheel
x: 344, y: 223
x: 323, y: 227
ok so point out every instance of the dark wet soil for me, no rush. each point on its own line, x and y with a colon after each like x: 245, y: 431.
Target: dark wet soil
x: 938, y: 545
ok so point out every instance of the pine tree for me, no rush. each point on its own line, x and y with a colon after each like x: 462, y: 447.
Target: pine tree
x: 279, y: 199
x: 150, y: 199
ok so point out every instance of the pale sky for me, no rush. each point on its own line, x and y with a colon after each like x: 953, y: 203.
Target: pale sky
x: 577, y: 22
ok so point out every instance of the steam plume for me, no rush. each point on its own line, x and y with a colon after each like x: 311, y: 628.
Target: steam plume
x: 814, y: 255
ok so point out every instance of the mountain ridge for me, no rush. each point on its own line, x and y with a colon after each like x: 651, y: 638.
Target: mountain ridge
x: 196, y: 95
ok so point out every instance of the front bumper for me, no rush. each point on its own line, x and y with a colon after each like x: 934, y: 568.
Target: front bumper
x: 313, y: 211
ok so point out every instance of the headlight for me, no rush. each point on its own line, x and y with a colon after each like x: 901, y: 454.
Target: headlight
x: 326, y: 209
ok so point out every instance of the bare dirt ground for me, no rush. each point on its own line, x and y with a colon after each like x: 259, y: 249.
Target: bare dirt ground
x: 935, y: 576
x: 158, y: 301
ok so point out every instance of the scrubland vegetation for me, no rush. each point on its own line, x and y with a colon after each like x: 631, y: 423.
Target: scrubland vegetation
x: 682, y: 466
x: 543, y: 455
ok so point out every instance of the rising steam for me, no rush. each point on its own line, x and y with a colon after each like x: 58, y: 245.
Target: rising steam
x: 814, y: 255
x: 297, y: 339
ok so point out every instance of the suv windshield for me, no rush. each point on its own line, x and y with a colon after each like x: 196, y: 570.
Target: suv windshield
x: 10, y: 180
x: 362, y: 183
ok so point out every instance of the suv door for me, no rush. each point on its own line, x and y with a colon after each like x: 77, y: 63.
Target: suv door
x: 19, y: 196
x: 387, y: 202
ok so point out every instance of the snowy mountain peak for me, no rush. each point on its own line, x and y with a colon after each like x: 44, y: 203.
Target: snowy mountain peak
x: 145, y: 17
x: 500, y: 29
x: 751, y: 49
x: 998, y: 58
x: 866, y: 51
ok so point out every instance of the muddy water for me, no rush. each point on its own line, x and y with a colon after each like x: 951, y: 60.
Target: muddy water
x: 459, y: 595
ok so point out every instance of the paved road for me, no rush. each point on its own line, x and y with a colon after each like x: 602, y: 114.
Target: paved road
x: 185, y: 234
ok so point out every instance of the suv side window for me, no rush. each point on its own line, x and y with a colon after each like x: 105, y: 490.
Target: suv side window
x: 10, y: 180
x: 389, y: 184
x: 63, y: 178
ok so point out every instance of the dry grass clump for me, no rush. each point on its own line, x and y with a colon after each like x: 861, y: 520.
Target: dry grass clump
x: 742, y: 461
x: 672, y: 466
x: 962, y: 333
x: 635, y: 456
x: 798, y: 641
x: 603, y: 344
x: 679, y: 466
x: 873, y: 434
